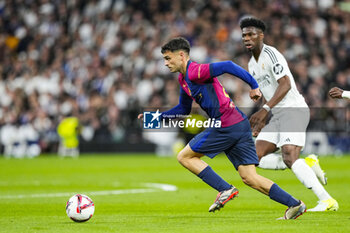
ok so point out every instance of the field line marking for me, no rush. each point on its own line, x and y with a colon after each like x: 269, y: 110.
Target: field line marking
x: 153, y: 187
x: 164, y: 187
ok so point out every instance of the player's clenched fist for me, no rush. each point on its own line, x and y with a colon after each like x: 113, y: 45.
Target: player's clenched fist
x: 255, y: 94
x: 336, y: 92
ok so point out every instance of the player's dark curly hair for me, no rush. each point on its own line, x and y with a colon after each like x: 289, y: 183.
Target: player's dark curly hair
x: 252, y: 22
x: 175, y: 44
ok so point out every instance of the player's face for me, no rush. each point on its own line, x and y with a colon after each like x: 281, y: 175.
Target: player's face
x: 173, y: 60
x: 251, y: 37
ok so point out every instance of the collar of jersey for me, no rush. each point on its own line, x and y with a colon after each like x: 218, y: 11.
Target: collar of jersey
x: 188, y: 65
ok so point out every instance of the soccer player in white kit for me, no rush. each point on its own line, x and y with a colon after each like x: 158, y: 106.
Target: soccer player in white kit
x: 290, y: 115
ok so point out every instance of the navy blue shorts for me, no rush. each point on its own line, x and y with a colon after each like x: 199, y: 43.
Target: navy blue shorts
x: 236, y: 141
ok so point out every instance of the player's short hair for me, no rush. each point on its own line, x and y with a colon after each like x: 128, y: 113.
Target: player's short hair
x: 178, y: 43
x: 252, y: 22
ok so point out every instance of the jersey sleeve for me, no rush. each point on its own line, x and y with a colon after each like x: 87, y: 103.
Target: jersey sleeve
x: 199, y: 73
x: 278, y: 63
x: 229, y: 67
x: 183, y: 108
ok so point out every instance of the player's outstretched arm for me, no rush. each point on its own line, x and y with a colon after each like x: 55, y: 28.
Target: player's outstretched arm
x: 229, y: 67
x: 219, y: 68
x: 338, y: 93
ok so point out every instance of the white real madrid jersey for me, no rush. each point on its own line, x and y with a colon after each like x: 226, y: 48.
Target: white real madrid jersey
x: 270, y: 67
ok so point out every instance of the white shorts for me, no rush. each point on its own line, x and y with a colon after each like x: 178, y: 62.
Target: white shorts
x: 287, y: 127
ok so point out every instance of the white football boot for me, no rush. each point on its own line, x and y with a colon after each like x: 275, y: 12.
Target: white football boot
x: 326, y: 205
x: 313, y: 162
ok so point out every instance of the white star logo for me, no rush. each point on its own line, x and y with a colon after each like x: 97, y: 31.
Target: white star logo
x: 156, y: 115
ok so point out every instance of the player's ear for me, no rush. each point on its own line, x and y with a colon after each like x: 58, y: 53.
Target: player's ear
x: 182, y: 53
x: 261, y: 35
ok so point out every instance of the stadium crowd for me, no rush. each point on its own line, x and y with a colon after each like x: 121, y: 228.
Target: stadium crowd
x: 100, y: 60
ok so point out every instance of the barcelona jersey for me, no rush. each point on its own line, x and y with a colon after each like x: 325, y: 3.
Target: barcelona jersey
x: 206, y: 90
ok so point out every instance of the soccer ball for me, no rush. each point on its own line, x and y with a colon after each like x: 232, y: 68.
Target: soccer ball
x: 80, y: 208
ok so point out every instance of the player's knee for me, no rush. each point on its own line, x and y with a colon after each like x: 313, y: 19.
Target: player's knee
x: 288, y: 161
x: 260, y: 154
x: 248, y: 180
x: 182, y: 157
x: 289, y: 155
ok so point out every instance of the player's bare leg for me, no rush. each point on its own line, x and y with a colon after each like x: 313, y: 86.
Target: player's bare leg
x: 268, y: 160
x: 271, y: 189
x: 290, y: 154
x: 253, y: 179
x: 264, y: 147
x: 191, y: 160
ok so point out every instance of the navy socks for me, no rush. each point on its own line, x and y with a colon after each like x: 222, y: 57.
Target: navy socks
x: 281, y: 196
x: 214, y: 180
x: 276, y: 193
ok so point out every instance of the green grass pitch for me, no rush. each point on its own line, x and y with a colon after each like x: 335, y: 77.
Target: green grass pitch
x: 33, y: 194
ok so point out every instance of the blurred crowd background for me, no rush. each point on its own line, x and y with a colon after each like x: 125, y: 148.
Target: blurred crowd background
x: 100, y: 61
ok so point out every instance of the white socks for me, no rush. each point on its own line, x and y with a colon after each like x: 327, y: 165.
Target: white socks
x: 272, y: 161
x: 301, y: 170
x: 305, y: 174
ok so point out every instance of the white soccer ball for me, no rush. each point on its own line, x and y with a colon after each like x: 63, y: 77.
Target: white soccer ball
x: 80, y: 208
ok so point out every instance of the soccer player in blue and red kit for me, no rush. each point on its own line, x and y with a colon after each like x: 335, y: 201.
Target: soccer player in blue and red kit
x: 198, y: 82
